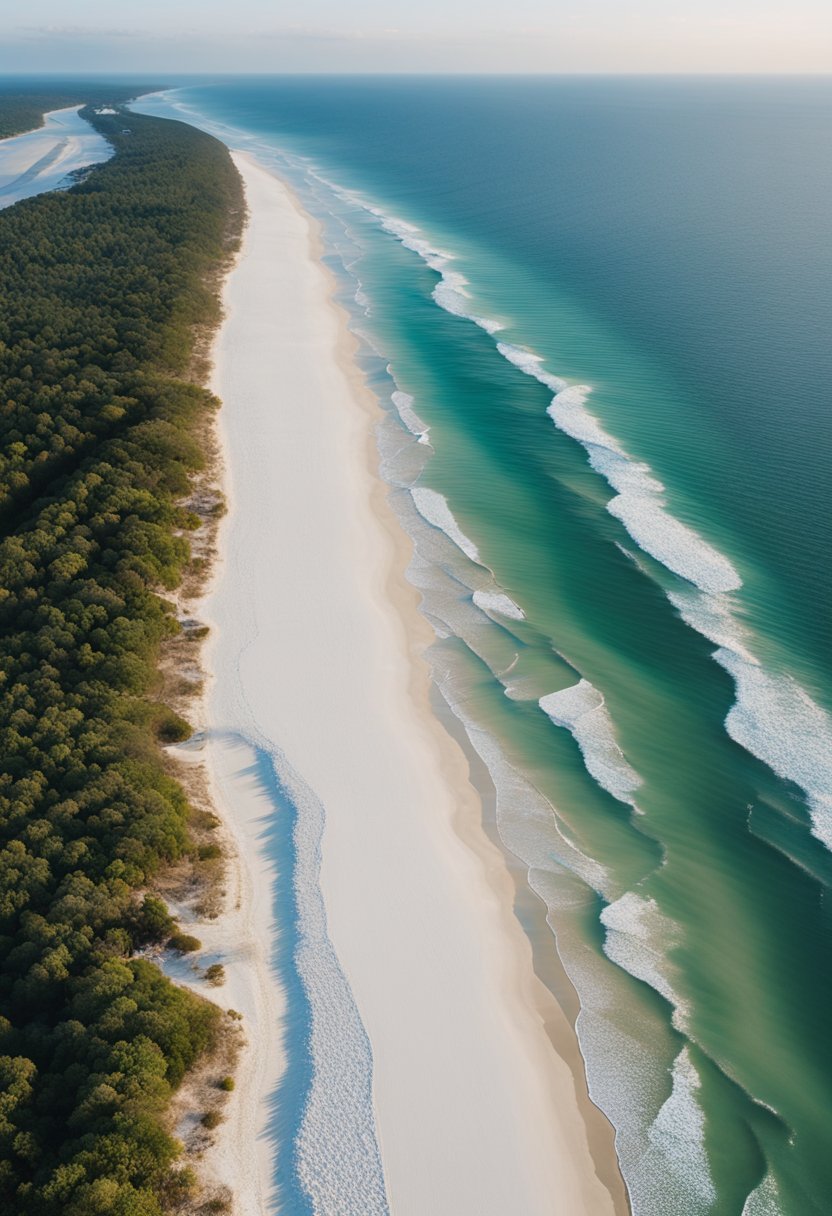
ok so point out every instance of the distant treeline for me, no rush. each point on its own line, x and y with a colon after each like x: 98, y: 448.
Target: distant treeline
x: 101, y: 288
x: 22, y: 108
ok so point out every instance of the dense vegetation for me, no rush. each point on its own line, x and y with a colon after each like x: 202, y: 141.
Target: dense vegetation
x: 22, y: 107
x: 102, y: 287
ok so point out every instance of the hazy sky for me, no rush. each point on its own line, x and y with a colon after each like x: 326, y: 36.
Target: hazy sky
x: 417, y: 35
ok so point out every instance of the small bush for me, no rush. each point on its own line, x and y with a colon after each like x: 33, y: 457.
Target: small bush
x: 208, y: 852
x: 171, y: 728
x: 215, y: 974
x: 227, y: 1083
x: 211, y: 1119
x: 184, y: 943
x: 180, y: 1185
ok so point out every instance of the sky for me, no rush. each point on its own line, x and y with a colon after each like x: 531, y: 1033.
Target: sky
x: 416, y: 36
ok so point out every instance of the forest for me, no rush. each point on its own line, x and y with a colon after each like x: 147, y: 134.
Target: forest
x: 104, y: 288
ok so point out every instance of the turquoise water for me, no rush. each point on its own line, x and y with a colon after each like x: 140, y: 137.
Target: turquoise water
x: 663, y: 530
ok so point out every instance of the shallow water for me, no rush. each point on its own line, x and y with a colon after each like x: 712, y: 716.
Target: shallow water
x: 45, y: 159
x: 597, y: 313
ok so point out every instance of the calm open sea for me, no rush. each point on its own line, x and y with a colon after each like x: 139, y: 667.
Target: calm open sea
x: 598, y: 313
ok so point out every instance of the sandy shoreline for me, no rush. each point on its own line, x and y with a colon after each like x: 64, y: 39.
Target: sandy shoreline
x: 315, y: 649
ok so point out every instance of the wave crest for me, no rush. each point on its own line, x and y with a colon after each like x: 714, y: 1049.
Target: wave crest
x: 499, y: 602
x: 638, y: 937
x: 433, y: 507
x: 582, y: 710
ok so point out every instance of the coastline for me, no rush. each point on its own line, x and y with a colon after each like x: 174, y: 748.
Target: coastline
x: 544, y: 988
x: 422, y: 1096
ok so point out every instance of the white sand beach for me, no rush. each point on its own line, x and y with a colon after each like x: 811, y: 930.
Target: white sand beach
x: 40, y: 160
x: 314, y: 654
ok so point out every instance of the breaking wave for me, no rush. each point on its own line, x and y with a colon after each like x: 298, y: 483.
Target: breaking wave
x: 677, y: 1139
x: 638, y: 937
x: 582, y: 710
x: 500, y: 603
x: 433, y: 507
x: 404, y: 407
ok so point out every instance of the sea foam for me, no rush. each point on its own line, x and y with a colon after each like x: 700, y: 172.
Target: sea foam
x: 404, y: 407
x: 499, y: 602
x: 677, y: 1136
x: 450, y: 292
x: 780, y: 724
x: 764, y: 1200
x: 639, y: 504
x: 581, y: 709
x: 638, y: 938
x: 531, y: 364
x: 773, y: 718
x: 673, y: 544
x: 527, y: 822
x: 714, y: 616
x: 433, y: 507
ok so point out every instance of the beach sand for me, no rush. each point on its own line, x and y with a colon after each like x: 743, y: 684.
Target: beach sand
x: 315, y: 649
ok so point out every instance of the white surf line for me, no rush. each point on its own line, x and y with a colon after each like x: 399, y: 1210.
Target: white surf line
x: 582, y: 710
x: 770, y: 707
x: 433, y: 507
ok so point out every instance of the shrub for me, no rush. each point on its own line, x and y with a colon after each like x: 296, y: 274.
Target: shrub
x: 184, y: 943
x: 216, y: 1206
x: 171, y: 728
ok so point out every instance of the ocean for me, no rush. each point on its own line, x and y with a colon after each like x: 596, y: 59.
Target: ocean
x: 597, y: 315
